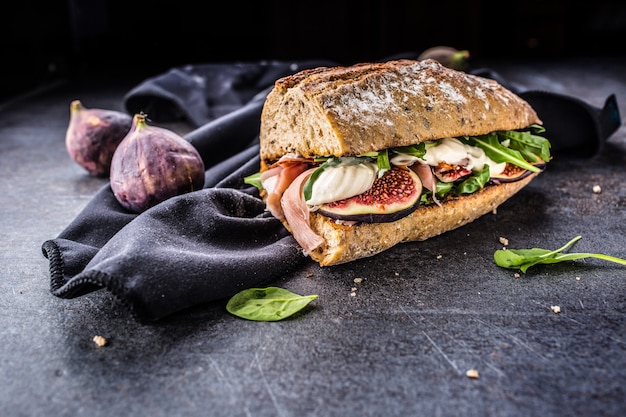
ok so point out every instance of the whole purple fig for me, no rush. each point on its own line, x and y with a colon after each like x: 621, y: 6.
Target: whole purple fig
x: 447, y: 56
x: 152, y: 164
x: 93, y: 135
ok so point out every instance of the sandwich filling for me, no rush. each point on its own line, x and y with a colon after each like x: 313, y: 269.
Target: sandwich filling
x: 387, y: 185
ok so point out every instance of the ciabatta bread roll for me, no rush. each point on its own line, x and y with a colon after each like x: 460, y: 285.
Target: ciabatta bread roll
x: 355, y: 160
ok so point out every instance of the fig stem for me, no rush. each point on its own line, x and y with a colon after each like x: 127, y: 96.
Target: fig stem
x: 140, y: 120
x: 76, y: 106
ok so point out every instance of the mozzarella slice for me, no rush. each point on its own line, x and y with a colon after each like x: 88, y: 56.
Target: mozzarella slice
x: 454, y: 152
x: 342, y: 181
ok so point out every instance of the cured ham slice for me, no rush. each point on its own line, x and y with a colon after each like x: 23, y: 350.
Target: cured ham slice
x: 284, y: 175
x: 425, y: 174
x: 296, y: 213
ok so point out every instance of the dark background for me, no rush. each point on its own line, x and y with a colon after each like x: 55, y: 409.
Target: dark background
x: 43, y: 41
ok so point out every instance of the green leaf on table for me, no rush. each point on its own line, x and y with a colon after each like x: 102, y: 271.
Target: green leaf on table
x: 523, y: 259
x: 267, y: 304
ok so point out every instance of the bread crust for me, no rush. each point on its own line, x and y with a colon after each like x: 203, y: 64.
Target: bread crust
x: 345, y: 111
x: 346, y: 243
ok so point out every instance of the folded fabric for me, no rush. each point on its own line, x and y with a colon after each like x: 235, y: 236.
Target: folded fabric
x: 202, y: 93
x: 573, y: 126
x: 207, y: 245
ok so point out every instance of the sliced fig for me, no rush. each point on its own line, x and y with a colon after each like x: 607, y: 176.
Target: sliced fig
x: 394, y: 195
x: 513, y: 173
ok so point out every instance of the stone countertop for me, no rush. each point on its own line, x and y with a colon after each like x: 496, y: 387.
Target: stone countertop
x: 391, y: 335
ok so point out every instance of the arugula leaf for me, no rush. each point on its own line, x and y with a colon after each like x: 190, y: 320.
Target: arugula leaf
x: 267, y: 304
x: 443, y: 189
x: 500, y: 153
x: 523, y: 259
x: 255, y: 180
x: 383, y: 162
x: 475, y: 182
x: 418, y: 150
x: 307, y: 189
x: 529, y: 145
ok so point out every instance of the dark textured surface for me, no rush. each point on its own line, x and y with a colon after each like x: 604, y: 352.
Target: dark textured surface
x: 422, y: 315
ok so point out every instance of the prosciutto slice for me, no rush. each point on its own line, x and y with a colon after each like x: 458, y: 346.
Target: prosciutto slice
x: 285, y: 174
x: 297, y: 214
x: 425, y: 174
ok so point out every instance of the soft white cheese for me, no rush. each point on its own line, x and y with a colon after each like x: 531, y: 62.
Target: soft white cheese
x: 342, y: 181
x: 454, y: 152
x: 403, y: 159
x: 270, y: 183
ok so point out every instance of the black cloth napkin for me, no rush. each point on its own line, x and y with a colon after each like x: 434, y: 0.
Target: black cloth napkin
x: 207, y: 245
x: 573, y: 126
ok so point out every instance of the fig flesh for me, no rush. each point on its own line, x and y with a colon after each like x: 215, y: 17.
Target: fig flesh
x: 152, y: 164
x: 394, y: 195
x: 513, y: 173
x: 93, y: 135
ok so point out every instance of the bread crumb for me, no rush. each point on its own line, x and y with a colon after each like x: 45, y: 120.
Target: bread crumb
x: 504, y: 241
x: 597, y: 189
x: 439, y: 256
x: 309, y: 275
x: 516, y: 275
x: 99, y: 341
x: 556, y: 309
x: 354, y: 289
x: 577, y: 278
x: 397, y: 274
x: 472, y: 373
x: 358, y: 280
x: 352, y: 294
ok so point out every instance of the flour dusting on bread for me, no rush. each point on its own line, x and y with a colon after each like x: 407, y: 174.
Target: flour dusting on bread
x: 354, y: 110
x: 370, y: 107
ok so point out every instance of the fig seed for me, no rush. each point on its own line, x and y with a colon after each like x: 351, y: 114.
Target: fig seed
x: 394, y: 195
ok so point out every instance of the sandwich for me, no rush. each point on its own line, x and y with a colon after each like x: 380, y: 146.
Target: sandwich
x: 356, y: 159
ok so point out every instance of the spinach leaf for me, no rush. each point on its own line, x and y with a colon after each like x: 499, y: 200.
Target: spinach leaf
x: 267, y: 304
x: 523, y: 259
